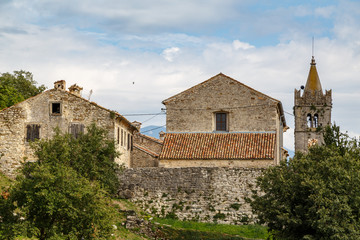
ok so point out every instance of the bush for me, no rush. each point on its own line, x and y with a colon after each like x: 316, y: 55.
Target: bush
x: 314, y: 195
x: 55, y: 202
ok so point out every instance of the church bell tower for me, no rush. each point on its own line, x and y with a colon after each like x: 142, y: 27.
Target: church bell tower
x: 312, y: 111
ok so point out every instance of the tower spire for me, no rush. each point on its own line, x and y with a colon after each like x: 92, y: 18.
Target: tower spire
x: 313, y: 81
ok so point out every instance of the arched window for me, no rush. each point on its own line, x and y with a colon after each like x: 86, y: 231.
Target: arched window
x: 316, y: 120
x: 309, y: 120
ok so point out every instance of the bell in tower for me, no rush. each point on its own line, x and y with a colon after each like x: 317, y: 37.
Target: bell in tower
x: 312, y: 111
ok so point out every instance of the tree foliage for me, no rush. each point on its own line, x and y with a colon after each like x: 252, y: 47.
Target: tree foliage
x: 17, y: 87
x: 92, y: 155
x: 63, y: 195
x: 314, y: 195
x: 55, y: 202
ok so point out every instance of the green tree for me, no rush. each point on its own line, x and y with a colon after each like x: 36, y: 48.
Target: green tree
x: 314, y: 195
x: 16, y: 87
x: 92, y: 155
x: 52, y: 201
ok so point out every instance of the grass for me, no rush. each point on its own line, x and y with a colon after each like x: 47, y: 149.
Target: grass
x: 245, y: 231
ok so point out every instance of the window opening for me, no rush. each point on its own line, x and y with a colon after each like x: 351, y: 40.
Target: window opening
x: 128, y: 142
x: 316, y: 120
x: 76, y: 129
x: 56, y: 108
x: 309, y: 120
x: 122, y: 137
x: 221, y: 121
x: 32, y: 132
x: 132, y: 144
x: 118, y: 135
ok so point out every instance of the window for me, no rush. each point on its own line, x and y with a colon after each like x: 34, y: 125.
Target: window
x: 32, y: 132
x: 55, y: 108
x: 122, y: 137
x: 128, y: 141
x: 221, y: 121
x: 309, y: 121
x: 118, y: 135
x: 132, y: 144
x: 76, y: 129
x: 316, y: 120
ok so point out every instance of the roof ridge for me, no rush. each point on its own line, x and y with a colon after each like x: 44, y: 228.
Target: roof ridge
x: 93, y: 103
x: 146, y: 150
x: 151, y: 138
x: 206, y: 81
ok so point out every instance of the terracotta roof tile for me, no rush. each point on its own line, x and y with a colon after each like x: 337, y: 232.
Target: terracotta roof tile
x: 219, y: 146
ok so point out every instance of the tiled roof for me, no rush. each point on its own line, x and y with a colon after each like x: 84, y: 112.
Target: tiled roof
x: 199, y: 146
x: 146, y: 150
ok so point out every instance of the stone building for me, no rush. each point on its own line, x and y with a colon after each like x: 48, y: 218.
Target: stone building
x: 36, y: 118
x: 312, y: 111
x: 146, y: 151
x: 222, y: 122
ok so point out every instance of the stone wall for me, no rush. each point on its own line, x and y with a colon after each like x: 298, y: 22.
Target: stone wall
x: 38, y: 110
x: 203, y: 194
x: 314, y: 104
x: 247, y: 109
x: 140, y: 158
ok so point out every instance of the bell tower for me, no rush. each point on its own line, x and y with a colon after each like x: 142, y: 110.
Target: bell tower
x: 312, y: 110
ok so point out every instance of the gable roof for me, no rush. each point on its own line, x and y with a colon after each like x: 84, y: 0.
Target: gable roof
x: 83, y: 99
x: 158, y: 141
x: 146, y: 150
x: 214, y: 78
x: 230, y: 146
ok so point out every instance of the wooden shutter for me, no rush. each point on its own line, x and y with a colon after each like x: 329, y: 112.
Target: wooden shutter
x: 76, y: 129
x: 32, y: 132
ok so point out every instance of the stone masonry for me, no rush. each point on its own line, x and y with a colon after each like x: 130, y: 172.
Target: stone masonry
x: 56, y: 108
x: 247, y: 110
x: 203, y: 194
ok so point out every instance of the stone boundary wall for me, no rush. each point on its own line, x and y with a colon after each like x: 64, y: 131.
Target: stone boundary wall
x: 194, y: 193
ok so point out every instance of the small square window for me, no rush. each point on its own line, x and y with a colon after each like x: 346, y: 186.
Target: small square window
x: 56, y: 108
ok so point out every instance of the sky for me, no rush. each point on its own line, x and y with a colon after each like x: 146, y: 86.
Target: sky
x: 131, y: 55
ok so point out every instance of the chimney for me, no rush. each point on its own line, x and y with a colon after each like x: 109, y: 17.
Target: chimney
x: 60, y: 85
x: 137, y: 125
x: 161, y: 135
x: 76, y: 90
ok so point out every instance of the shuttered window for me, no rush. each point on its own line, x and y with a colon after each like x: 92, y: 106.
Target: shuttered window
x: 76, y: 129
x: 32, y: 132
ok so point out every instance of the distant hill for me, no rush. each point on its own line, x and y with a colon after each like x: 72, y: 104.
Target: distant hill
x: 153, y: 131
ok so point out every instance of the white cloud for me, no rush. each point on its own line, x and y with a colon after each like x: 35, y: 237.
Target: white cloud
x: 170, y: 53
x: 241, y: 45
x: 133, y: 73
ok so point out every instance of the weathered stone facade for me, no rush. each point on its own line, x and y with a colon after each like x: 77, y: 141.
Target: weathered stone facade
x: 312, y: 112
x: 245, y: 110
x: 204, y: 194
x: 146, y: 151
x: 37, y: 117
